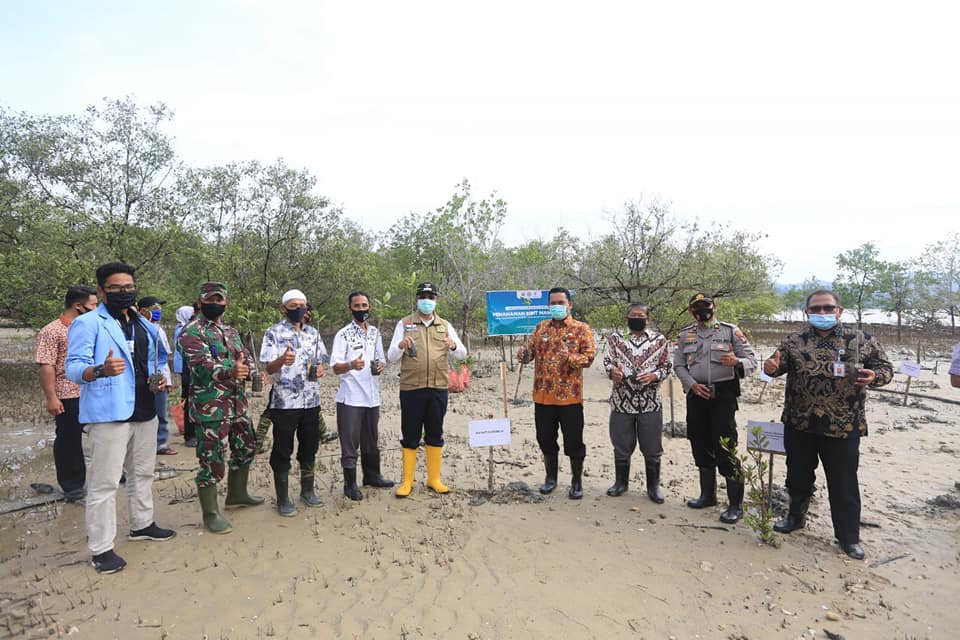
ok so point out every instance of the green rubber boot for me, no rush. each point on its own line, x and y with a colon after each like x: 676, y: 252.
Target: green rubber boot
x: 237, y: 496
x: 212, y: 520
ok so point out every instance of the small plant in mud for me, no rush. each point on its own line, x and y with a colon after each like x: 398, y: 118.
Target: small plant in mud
x: 758, y: 512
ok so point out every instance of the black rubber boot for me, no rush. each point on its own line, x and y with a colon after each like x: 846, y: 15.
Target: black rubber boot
x: 552, y: 463
x: 708, y: 489
x: 796, y: 517
x: 623, y: 479
x: 350, y: 488
x: 284, y: 506
x: 576, y: 478
x: 735, y: 497
x: 371, y: 471
x: 653, y: 480
x: 306, y: 488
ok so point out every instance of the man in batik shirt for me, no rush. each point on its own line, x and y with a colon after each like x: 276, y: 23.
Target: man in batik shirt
x: 828, y: 367
x: 637, y: 363
x: 295, y: 357
x: 562, y: 348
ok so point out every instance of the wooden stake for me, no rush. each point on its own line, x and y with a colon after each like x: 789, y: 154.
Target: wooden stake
x: 762, y: 389
x: 516, y: 393
x: 906, y: 392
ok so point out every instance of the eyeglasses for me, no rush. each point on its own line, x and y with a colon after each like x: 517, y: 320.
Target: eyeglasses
x: 127, y: 288
x: 822, y: 308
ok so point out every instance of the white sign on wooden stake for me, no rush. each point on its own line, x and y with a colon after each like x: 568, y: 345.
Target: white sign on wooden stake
x: 912, y: 369
x: 489, y: 433
x: 772, y: 431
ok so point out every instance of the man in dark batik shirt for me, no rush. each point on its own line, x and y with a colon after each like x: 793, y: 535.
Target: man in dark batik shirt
x: 828, y: 368
x: 637, y: 363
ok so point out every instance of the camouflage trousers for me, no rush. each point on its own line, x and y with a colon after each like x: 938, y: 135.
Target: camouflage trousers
x: 211, y: 452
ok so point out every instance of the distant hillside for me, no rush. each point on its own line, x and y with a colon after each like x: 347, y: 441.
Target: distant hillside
x: 783, y: 288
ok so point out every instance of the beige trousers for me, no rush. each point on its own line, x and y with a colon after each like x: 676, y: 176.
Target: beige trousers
x: 116, y: 447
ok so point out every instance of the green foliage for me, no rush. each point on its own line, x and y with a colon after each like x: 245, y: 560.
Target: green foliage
x: 858, y: 278
x: 757, y: 512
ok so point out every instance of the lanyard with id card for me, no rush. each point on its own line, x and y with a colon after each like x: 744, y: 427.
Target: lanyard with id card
x: 839, y: 367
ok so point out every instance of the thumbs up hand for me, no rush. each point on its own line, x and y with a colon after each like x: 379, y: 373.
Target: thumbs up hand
x: 241, y: 370
x: 113, y: 366
x: 357, y: 363
x: 289, y: 357
x: 771, y: 364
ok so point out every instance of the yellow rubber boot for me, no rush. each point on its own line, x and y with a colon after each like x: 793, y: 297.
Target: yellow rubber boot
x: 434, y: 462
x: 409, y: 467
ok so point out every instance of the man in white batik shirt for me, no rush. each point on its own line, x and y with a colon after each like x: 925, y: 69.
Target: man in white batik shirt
x: 294, y: 356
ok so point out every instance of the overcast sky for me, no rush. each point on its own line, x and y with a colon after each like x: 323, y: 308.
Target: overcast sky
x: 822, y: 125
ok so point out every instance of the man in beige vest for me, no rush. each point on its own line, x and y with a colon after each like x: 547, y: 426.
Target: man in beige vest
x: 422, y: 343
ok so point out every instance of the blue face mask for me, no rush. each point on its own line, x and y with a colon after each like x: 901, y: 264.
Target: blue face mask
x: 155, y: 315
x: 426, y: 306
x: 823, y: 321
x: 558, y: 311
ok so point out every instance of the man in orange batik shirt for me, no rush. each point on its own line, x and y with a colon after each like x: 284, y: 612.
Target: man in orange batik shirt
x: 563, y: 348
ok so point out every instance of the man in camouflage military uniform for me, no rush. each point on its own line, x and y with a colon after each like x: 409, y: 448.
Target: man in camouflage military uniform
x: 218, y: 405
x: 710, y: 359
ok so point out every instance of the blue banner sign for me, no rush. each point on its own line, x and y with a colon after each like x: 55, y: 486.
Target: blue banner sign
x: 516, y: 313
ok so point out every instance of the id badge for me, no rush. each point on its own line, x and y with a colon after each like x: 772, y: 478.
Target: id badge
x: 130, y: 345
x: 839, y: 369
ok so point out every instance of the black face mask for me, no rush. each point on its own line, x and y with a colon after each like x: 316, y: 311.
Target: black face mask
x: 82, y: 310
x: 703, y: 315
x: 295, y: 316
x: 637, y: 324
x: 360, y: 316
x: 117, y: 301
x: 212, y: 310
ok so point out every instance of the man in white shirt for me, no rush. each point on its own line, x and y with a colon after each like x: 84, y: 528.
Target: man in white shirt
x: 357, y: 357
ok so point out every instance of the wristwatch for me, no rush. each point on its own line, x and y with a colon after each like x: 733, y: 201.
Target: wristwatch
x: 98, y: 372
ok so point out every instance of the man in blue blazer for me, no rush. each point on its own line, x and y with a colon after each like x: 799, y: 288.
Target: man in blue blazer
x: 112, y: 354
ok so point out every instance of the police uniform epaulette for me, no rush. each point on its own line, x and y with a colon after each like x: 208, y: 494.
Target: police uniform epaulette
x: 729, y: 324
x: 689, y: 327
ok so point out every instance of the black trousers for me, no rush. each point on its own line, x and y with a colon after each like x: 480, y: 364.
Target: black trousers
x: 841, y: 459
x: 68, y: 447
x: 551, y: 418
x: 189, y: 430
x: 707, y: 422
x: 305, y: 424
x: 421, y: 417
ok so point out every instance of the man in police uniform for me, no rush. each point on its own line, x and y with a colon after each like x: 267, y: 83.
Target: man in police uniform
x: 219, y: 364
x: 710, y: 359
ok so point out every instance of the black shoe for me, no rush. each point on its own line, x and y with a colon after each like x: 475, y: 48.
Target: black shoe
x: 107, y: 562
x: 74, y: 496
x: 350, y: 488
x: 123, y: 478
x: 854, y: 550
x: 708, y: 489
x: 623, y: 479
x: 190, y: 443
x: 796, y: 518
x: 551, y: 461
x: 576, y: 478
x: 734, y: 511
x: 653, y: 480
x: 152, y: 532
x: 371, y: 471
x: 328, y: 437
